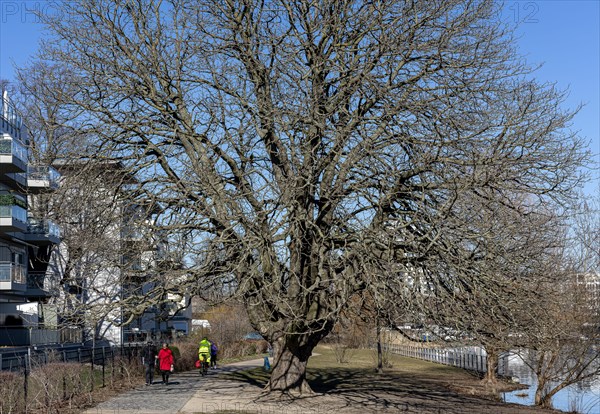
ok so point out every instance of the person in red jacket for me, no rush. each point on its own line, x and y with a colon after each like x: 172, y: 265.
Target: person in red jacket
x: 165, y: 362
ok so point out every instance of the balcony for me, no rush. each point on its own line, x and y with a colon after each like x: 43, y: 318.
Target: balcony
x: 42, y: 232
x: 12, y: 277
x: 35, y: 285
x: 35, y: 280
x: 10, y: 121
x: 13, y: 214
x: 42, y: 178
x: 132, y: 234
x: 15, y: 180
x: 13, y: 155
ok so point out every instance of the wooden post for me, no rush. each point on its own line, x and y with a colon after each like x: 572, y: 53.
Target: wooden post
x: 93, y: 377
x: 103, y: 366
x: 26, y: 362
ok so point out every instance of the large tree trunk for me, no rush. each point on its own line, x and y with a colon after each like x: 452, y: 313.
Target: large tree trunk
x: 491, y: 376
x: 288, y: 373
x: 542, y: 399
x: 544, y: 391
x: 544, y: 395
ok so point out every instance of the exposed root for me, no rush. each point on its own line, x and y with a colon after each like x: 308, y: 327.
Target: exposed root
x: 285, y: 396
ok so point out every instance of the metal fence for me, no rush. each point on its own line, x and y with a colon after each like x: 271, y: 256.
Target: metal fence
x: 28, y: 380
x: 24, y: 358
x: 472, y: 358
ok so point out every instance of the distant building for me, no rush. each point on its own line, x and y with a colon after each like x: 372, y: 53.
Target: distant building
x: 110, y: 263
x: 590, y: 283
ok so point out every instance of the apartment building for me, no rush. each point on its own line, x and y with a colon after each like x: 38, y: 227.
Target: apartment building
x: 109, y: 261
x: 590, y: 284
x: 167, y: 314
x: 26, y: 240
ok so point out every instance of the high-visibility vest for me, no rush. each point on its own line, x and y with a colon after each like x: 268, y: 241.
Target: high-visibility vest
x: 204, y: 347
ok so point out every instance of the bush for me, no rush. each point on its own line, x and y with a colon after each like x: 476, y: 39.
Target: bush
x: 260, y: 347
x: 51, y: 384
x: 188, y: 354
x: 228, y: 324
x: 11, y: 397
x: 175, y: 351
x: 343, y: 354
x: 189, y: 351
x: 126, y: 372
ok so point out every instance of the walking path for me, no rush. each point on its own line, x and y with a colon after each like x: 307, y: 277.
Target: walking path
x: 187, y: 392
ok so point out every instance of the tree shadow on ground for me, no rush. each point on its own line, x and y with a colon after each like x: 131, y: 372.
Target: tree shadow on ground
x: 363, y: 389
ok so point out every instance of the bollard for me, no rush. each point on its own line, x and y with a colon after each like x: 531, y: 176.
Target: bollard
x: 267, y: 365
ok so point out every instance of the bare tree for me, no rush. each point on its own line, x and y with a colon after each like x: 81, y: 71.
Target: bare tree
x: 285, y: 139
x: 41, y: 91
x: 520, y: 259
x: 561, y: 352
x: 561, y: 342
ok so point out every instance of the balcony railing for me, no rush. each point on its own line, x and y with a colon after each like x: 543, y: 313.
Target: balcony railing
x: 42, y: 227
x: 11, y: 272
x: 10, y: 121
x: 13, y: 147
x: 19, y: 178
x: 8, y: 112
x: 35, y: 280
x: 44, y: 173
x: 132, y: 234
x: 14, y: 212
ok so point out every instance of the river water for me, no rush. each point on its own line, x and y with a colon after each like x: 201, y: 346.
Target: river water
x: 583, y: 397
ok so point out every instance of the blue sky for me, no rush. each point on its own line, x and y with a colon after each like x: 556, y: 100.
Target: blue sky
x: 563, y: 35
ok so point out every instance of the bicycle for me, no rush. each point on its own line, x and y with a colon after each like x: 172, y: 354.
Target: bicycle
x: 203, y: 365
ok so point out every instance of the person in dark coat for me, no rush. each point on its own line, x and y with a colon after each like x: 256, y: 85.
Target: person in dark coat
x: 165, y: 362
x: 213, y: 354
x: 149, y: 356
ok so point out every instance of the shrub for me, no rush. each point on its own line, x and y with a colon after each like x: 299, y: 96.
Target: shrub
x: 343, y: 354
x: 175, y: 351
x: 51, y: 384
x: 228, y: 324
x: 245, y: 348
x: 188, y: 354
x: 11, y: 397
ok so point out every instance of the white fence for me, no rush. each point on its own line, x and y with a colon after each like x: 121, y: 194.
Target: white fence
x: 472, y: 358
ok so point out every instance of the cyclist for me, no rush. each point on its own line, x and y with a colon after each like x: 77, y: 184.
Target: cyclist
x: 204, y: 351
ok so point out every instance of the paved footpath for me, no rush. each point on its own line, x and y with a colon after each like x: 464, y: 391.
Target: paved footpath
x: 187, y: 393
